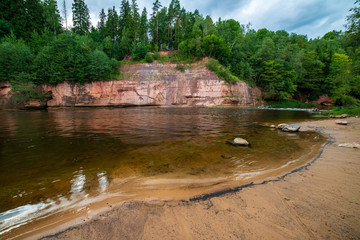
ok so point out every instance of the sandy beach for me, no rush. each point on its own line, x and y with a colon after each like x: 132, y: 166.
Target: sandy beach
x: 319, y: 201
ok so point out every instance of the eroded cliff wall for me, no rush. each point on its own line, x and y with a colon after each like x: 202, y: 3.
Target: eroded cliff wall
x: 152, y: 84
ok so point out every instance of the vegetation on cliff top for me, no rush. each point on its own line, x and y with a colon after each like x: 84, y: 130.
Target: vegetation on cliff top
x: 36, y: 48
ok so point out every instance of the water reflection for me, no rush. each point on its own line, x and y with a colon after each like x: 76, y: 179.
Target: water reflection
x: 66, y: 158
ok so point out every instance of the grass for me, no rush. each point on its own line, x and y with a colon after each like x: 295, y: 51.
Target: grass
x: 291, y: 104
x: 342, y: 110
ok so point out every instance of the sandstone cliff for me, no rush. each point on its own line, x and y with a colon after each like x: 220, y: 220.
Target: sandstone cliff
x: 150, y: 84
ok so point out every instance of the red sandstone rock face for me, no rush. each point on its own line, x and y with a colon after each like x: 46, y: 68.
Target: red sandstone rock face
x: 5, y: 95
x: 324, y: 100
x: 155, y: 84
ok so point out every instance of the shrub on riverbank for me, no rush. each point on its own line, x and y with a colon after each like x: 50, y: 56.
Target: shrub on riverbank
x: 221, y: 71
x: 291, y: 104
x: 341, y: 110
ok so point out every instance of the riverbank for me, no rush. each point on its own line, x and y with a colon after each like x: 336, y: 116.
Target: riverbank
x: 321, y: 201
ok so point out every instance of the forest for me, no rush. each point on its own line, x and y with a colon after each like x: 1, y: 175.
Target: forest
x: 38, y: 46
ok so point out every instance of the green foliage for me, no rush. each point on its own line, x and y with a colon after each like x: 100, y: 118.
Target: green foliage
x: 5, y: 28
x: 71, y: 58
x: 286, y: 66
x: 22, y: 88
x: 100, y: 66
x: 180, y: 67
x: 341, y: 110
x: 156, y: 56
x: 291, y: 104
x: 221, y: 71
x: 139, y: 52
x: 15, y: 58
x: 81, y: 17
x: 149, y: 58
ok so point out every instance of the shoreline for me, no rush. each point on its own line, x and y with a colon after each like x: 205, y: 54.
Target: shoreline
x: 129, y: 213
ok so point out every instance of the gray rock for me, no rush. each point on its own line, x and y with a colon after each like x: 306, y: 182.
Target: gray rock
x: 272, y: 126
x: 341, y: 122
x: 241, y: 142
x: 281, y: 125
x: 291, y: 128
x: 238, y: 142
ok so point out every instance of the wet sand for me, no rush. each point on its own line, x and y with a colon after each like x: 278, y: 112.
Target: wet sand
x: 320, y: 201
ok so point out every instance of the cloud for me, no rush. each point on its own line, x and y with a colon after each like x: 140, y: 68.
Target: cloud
x: 309, y: 17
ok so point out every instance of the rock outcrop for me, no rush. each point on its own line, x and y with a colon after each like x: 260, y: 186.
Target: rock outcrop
x: 151, y: 84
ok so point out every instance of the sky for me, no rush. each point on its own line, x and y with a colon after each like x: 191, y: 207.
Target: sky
x: 313, y: 18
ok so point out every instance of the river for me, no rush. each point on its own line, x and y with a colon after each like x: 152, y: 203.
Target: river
x: 62, y: 160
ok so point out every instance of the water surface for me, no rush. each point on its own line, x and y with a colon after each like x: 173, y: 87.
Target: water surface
x: 55, y: 160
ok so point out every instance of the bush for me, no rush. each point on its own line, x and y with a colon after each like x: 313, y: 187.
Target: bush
x: 291, y: 104
x: 71, y: 58
x: 163, y: 46
x: 15, y: 58
x: 140, y: 52
x: 156, y: 56
x: 341, y: 110
x: 100, y: 66
x: 149, y: 58
x: 221, y: 71
x: 23, y: 89
x: 180, y: 67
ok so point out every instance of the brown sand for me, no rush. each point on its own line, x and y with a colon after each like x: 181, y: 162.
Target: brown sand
x: 321, y: 201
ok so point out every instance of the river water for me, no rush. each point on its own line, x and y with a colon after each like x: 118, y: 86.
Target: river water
x: 56, y: 160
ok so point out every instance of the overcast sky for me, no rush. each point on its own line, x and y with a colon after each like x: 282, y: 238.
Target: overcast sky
x: 309, y: 17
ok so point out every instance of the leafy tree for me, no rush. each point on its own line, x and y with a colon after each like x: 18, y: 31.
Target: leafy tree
x: 353, y: 24
x: 15, y: 58
x: 81, y: 17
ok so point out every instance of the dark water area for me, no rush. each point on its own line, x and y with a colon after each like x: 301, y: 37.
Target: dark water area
x: 63, y: 158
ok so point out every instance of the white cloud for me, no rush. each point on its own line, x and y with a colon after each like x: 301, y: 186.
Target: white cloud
x: 311, y: 17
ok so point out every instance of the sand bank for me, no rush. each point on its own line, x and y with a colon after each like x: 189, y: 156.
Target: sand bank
x: 321, y: 201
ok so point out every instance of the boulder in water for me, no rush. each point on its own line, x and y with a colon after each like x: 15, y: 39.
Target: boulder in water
x: 291, y: 128
x: 239, y: 142
x: 281, y: 125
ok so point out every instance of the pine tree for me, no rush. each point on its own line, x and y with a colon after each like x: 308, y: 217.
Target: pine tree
x: 64, y: 10
x: 143, y: 27
x: 81, y: 17
x: 155, y: 16
x: 125, y: 14
x: 112, y: 24
x: 102, y: 23
x: 52, y: 16
x: 135, y: 19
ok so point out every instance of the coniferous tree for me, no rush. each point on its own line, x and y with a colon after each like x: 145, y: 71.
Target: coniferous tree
x: 135, y: 19
x: 102, y: 23
x: 112, y: 24
x: 155, y: 21
x: 81, y: 17
x: 143, y: 27
x: 64, y: 10
x: 52, y: 16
